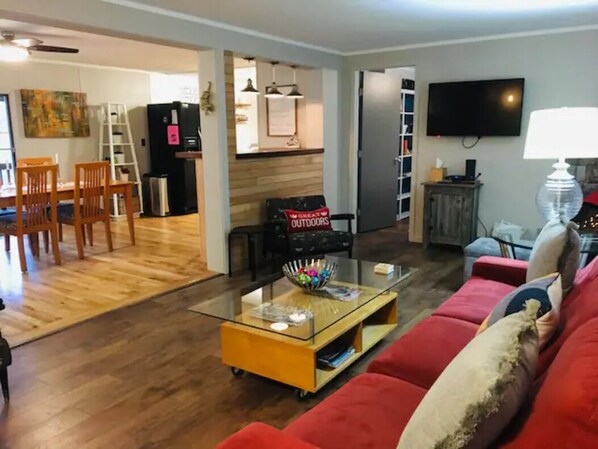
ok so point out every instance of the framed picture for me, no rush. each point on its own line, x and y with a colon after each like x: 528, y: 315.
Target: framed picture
x: 281, y: 115
x: 54, y: 114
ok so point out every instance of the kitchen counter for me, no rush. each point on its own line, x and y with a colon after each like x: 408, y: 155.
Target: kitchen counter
x: 188, y: 154
x: 278, y: 152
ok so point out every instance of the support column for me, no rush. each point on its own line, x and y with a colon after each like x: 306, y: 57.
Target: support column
x: 215, y: 160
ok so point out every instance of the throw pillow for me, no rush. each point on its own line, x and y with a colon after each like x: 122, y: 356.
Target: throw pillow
x: 547, y: 290
x: 557, y: 248
x: 299, y: 221
x: 480, y: 391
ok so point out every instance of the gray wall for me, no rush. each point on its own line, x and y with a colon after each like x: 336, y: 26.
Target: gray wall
x: 559, y: 70
x: 102, y: 85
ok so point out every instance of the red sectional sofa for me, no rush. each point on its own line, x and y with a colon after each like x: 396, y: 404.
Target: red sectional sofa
x: 371, y: 411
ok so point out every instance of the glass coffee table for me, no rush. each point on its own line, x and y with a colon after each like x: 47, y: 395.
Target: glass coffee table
x: 278, y: 331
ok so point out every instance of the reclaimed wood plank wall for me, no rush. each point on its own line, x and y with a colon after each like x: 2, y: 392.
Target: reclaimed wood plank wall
x: 253, y: 181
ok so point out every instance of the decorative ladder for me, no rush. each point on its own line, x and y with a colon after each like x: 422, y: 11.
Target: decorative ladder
x: 107, y: 128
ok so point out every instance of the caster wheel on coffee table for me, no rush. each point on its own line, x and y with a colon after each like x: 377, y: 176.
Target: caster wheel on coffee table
x: 301, y: 394
x: 237, y: 372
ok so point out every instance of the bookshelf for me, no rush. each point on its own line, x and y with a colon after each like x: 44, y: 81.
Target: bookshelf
x: 405, y: 153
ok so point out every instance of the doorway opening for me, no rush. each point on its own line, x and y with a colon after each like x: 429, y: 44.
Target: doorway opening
x: 7, y: 150
x: 386, y: 134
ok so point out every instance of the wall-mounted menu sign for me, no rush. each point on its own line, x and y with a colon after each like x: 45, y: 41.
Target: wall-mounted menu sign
x: 281, y: 116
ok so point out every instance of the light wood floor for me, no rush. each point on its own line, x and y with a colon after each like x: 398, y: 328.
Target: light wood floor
x: 150, y: 376
x: 50, y: 297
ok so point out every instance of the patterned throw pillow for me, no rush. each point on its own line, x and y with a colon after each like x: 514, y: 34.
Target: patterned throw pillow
x: 547, y: 290
x: 480, y: 391
x: 557, y: 248
x: 315, y: 220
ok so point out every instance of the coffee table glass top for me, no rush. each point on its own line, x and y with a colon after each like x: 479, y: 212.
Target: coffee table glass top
x: 282, y: 308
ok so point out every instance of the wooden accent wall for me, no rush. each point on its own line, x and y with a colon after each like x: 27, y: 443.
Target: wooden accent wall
x: 252, y: 181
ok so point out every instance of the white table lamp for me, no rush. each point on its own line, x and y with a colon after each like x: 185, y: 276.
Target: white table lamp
x: 570, y: 133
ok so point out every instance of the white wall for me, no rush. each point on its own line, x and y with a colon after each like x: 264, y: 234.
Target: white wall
x: 100, y: 85
x: 247, y: 132
x: 182, y: 87
x: 309, y: 109
x: 559, y: 70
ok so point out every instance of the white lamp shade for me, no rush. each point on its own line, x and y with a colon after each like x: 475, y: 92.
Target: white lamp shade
x: 569, y: 133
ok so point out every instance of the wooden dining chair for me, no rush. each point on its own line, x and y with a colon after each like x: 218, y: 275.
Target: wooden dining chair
x: 34, y: 161
x: 36, y: 189
x: 92, y: 203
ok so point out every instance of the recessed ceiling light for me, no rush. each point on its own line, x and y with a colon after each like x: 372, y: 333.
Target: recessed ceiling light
x: 507, y: 5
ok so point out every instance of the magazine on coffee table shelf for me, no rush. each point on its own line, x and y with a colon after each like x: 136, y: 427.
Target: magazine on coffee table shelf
x: 338, y: 292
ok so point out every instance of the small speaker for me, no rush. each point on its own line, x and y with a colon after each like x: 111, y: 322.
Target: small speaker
x: 470, y: 173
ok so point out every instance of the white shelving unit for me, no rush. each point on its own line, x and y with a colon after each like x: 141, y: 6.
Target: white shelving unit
x: 405, y: 153
x: 108, y: 128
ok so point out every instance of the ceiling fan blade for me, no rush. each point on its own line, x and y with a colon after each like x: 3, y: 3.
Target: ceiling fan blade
x: 52, y: 49
x: 29, y: 42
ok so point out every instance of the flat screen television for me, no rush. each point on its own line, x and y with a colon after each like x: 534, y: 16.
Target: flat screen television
x: 476, y: 108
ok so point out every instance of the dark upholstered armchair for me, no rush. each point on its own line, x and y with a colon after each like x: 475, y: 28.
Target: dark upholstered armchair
x: 309, y: 243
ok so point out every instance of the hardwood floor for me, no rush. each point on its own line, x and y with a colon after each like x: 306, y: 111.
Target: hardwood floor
x: 50, y: 297
x: 149, y: 376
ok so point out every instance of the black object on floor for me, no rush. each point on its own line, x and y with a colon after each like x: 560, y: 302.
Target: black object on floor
x: 251, y: 232
x: 5, y: 361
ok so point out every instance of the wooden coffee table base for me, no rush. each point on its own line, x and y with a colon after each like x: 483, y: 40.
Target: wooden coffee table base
x: 292, y: 361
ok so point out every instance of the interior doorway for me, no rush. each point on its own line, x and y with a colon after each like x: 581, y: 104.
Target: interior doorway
x: 385, y: 146
x: 7, y: 150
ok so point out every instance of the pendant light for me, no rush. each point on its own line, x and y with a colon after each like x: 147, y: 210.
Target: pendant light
x: 272, y: 90
x: 294, y: 93
x: 250, y: 88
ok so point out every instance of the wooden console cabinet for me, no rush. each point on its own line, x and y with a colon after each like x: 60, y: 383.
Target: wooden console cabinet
x: 450, y: 213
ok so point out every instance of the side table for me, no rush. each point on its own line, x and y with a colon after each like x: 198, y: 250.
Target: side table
x: 250, y: 232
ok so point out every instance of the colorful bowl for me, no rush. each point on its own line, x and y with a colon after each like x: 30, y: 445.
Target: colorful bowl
x: 311, y: 274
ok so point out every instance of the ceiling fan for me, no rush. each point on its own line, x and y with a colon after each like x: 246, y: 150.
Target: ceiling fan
x: 13, y: 50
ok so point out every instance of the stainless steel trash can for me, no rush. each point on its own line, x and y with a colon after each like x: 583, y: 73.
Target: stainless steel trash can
x: 158, y: 186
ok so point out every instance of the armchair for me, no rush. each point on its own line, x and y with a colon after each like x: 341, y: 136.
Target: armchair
x: 278, y: 240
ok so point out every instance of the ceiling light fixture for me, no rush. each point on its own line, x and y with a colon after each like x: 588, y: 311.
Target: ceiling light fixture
x: 294, y: 93
x: 272, y: 90
x: 12, y: 53
x: 250, y: 88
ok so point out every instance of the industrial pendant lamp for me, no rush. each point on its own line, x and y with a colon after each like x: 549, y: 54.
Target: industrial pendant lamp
x: 272, y: 90
x: 250, y: 88
x: 294, y: 93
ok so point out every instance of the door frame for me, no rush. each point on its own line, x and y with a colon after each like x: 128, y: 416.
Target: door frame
x: 11, y: 130
x: 355, y: 143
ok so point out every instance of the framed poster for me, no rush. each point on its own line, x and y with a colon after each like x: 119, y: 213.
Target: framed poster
x: 54, y: 114
x: 281, y: 115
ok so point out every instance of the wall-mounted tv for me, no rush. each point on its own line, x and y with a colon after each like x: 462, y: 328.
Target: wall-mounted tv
x: 476, y: 108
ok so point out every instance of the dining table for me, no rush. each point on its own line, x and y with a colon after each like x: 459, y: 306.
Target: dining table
x: 66, y: 191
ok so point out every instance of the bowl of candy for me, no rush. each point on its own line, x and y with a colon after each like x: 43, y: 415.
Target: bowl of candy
x: 311, y: 274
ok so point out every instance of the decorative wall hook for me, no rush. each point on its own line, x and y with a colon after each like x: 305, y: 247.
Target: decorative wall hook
x: 206, y: 100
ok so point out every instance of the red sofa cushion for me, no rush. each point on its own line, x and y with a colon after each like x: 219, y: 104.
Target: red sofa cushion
x: 262, y: 436
x: 421, y: 354
x: 580, y: 306
x: 369, y: 412
x: 475, y: 300
x: 564, y: 412
x: 501, y: 269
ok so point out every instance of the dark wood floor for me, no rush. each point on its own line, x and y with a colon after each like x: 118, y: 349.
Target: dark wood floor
x: 149, y: 376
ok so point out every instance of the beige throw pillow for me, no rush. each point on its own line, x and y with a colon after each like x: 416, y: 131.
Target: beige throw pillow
x: 557, y: 249
x: 480, y: 391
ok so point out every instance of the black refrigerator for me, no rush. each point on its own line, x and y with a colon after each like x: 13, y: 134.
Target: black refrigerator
x: 175, y: 127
